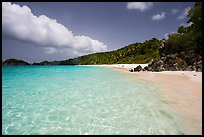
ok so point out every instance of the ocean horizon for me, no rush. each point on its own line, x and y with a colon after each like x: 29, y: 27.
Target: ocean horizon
x: 82, y: 100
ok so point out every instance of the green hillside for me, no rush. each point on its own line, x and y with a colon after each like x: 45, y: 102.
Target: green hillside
x: 15, y: 62
x: 133, y: 53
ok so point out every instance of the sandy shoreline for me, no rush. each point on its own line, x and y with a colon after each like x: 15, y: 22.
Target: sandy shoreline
x: 182, y: 88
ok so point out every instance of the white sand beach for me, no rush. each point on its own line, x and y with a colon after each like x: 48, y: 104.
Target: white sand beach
x: 182, y: 88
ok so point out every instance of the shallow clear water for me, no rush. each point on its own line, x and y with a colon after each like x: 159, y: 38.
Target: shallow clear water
x: 81, y: 100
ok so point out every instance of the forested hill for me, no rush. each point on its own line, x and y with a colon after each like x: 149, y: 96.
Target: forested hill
x: 133, y: 53
x: 14, y: 62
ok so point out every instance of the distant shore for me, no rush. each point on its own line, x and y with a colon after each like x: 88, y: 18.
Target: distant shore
x: 182, y: 88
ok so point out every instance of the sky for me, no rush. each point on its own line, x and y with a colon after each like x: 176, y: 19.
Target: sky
x: 38, y: 31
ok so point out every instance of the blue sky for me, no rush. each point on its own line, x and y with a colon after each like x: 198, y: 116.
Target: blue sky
x: 36, y: 31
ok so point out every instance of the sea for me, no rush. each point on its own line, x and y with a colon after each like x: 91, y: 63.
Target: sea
x: 69, y: 100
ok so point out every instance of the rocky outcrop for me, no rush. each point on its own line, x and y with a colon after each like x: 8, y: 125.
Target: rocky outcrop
x: 176, y: 62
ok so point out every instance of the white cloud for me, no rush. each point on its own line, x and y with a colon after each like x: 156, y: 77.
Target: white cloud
x: 142, y: 6
x: 184, y: 13
x: 174, y: 11
x: 158, y: 16
x: 20, y: 23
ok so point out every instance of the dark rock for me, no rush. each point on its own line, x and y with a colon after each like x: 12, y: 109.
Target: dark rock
x: 162, y: 58
x: 190, y: 58
x: 199, y: 58
x: 170, y: 59
x: 146, y: 68
x: 151, y: 62
x: 179, y: 61
x: 161, y: 68
x: 199, y: 63
x: 189, y: 68
x: 149, y: 68
x: 138, y: 68
x: 199, y: 70
x: 180, y: 64
x: 158, y: 65
x: 131, y: 70
x: 160, y: 62
x: 199, y: 66
x: 195, y: 68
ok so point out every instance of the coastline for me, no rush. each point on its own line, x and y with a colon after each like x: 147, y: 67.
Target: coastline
x: 183, y: 90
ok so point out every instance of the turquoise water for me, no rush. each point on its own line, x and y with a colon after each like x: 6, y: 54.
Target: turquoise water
x: 81, y: 100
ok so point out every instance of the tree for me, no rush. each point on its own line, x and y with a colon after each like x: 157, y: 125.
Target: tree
x: 195, y: 17
x: 182, y: 30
